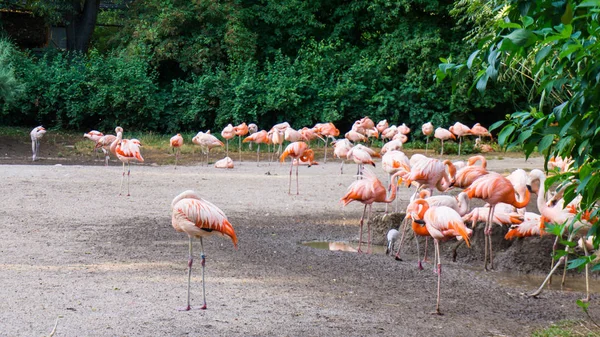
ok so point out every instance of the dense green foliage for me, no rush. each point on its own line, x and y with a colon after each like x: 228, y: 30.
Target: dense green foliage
x: 186, y: 65
x: 552, y: 48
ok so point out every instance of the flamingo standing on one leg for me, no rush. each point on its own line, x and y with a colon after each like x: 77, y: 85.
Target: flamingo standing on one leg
x: 427, y: 130
x: 104, y: 143
x: 297, y: 150
x: 478, y: 130
x: 227, y: 134
x: 494, y: 188
x: 460, y: 130
x: 258, y: 138
x: 327, y: 130
x: 127, y: 150
x: 94, y: 136
x: 36, y: 135
x: 240, y: 131
x: 442, y: 223
x: 443, y: 134
x: 199, y: 218
x: 176, y: 142
x: 206, y: 142
x: 340, y: 150
x: 367, y: 190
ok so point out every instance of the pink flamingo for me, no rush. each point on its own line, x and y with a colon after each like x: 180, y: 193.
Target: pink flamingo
x: 480, y: 131
x: 468, y: 174
x: 240, y: 131
x: 361, y: 155
x: 382, y: 125
x: 206, y: 141
x: 226, y: 163
x: 341, y: 147
x: 199, y: 218
x: 443, y: 134
x: 367, y: 191
x: 460, y: 130
x: 104, y: 143
x: 94, y: 136
x: 127, y: 150
x: 227, y: 134
x: 300, y: 151
x: 176, y: 142
x: 258, y: 138
x: 427, y: 130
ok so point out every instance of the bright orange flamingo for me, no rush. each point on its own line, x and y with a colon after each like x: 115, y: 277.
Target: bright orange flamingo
x: 443, y: 134
x: 176, y: 143
x: 297, y: 150
x: 36, y: 135
x: 367, y: 191
x: 494, y: 188
x: 199, y: 218
x: 468, y: 174
x: 127, y: 150
x: 258, y: 138
x: 227, y: 134
x: 442, y: 223
x: 427, y: 130
x: 240, y: 131
x: 532, y: 225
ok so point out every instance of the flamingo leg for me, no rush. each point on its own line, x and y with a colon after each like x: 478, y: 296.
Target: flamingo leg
x: 442, y: 153
x: 541, y: 288
x: 257, y: 153
x: 202, y: 263
x: 190, y: 262
x: 361, y: 229
x: 297, y: 167
x: 587, y: 276
x: 405, y: 223
x: 439, y: 272
x: 369, y: 230
x: 326, y: 140
x: 552, y: 262
x: 227, y: 147
x: 106, y: 156
x: 425, y: 253
x: 342, y: 167
x: 419, y: 263
x: 459, y: 144
x: 426, y: 143
x: 489, y: 234
x: 290, y: 183
x: 122, y: 178
x: 240, y: 147
x: 128, y: 174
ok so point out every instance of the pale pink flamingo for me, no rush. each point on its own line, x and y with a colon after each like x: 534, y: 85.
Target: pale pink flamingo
x: 36, y: 135
x: 460, y: 130
x: 382, y: 125
x: 443, y: 134
x: 361, y: 155
x: 341, y: 147
x: 519, y: 179
x: 226, y: 163
x: 258, y: 138
x: 480, y: 131
x: 206, y: 141
x: 292, y: 135
x: 355, y: 136
x: 367, y: 191
x: 401, y: 137
x: 104, y: 143
x: 127, y: 150
x: 310, y: 134
x: 494, y: 188
x: 427, y: 130
x: 199, y: 218
x: 442, y: 223
x: 297, y: 150
x: 403, y: 129
x: 392, y: 145
x: 563, y: 164
x: 94, y: 136
x: 240, y: 131
x: 389, y: 133
x: 252, y: 128
x: 483, y: 148
x: 277, y: 138
x: 176, y: 142
x: 227, y: 134
x: 392, y: 162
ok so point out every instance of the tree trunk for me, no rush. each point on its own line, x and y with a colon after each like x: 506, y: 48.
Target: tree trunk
x: 81, y: 22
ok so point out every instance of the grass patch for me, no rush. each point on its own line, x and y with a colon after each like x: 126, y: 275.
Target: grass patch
x: 569, y: 328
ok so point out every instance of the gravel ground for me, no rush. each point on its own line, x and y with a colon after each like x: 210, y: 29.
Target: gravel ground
x: 109, y: 265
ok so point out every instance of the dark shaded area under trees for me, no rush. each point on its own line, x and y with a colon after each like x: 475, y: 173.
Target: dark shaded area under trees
x: 192, y: 65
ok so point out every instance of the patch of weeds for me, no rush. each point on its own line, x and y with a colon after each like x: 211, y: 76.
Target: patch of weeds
x: 568, y: 328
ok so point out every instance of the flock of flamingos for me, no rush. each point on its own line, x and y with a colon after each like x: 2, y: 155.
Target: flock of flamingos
x: 441, y: 217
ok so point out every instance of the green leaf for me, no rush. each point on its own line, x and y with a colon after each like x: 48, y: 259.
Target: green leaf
x: 521, y: 37
x: 578, y: 262
x: 496, y: 125
x: 504, y: 25
x: 583, y: 305
x: 482, y: 82
x: 545, y: 143
x: 527, y: 21
x: 524, y: 135
x: 505, y: 133
x: 589, y: 3
x: 472, y: 58
x: 557, y: 111
x: 541, y: 55
x: 596, y: 267
x: 567, y: 17
x: 570, y: 49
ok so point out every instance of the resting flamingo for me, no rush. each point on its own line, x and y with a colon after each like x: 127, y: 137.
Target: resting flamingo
x: 36, y: 135
x: 361, y: 155
x: 480, y: 131
x: 443, y: 134
x: 227, y: 134
x: 468, y: 174
x: 199, y: 218
x: 127, y: 150
x: 382, y: 125
x: 341, y: 147
x: 427, y: 130
x: 460, y: 130
x: 367, y: 191
x: 176, y: 142
x: 442, y: 223
x: 297, y: 150
x: 94, y: 136
x: 327, y: 130
x: 226, y: 163
x: 104, y: 143
x: 494, y: 188
x: 206, y: 141
x: 240, y: 131
x: 258, y: 138
x: 403, y: 129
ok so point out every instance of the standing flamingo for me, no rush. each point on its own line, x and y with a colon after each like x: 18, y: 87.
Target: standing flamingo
x: 480, y: 131
x: 300, y: 151
x: 361, y: 155
x: 471, y: 172
x: 206, y: 141
x: 199, y: 218
x: 240, y: 131
x: 367, y: 191
x: 494, y: 188
x: 258, y: 138
x: 227, y: 134
x: 427, y: 130
x: 460, y: 130
x: 443, y: 134
x: 403, y: 129
x: 382, y: 125
x: 341, y: 147
x: 127, y: 150
x: 104, y: 143
x: 94, y: 136
x: 442, y: 223
x: 327, y: 130
x: 36, y: 135
x: 176, y: 143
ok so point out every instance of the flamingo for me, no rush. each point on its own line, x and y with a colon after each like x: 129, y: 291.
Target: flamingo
x: 176, y: 142
x: 532, y: 225
x: 442, y: 223
x: 226, y: 163
x: 341, y: 147
x: 392, y: 162
x: 36, y: 135
x: 104, y: 143
x: 392, y: 237
x: 460, y: 130
x: 227, y: 134
x: 443, y: 134
x: 127, y: 150
x: 480, y: 131
x: 429, y: 173
x: 427, y: 130
x: 94, y: 136
x: 392, y: 145
x: 494, y: 188
x: 389, y: 133
x: 240, y: 131
x: 355, y: 136
x: 367, y: 191
x: 199, y: 218
x: 327, y: 130
x: 382, y: 125
x: 252, y: 128
x: 401, y: 137
x: 206, y: 141
x: 468, y: 174
x: 297, y: 150
x: 403, y: 129
x: 361, y: 155
x: 563, y: 164
x: 258, y: 138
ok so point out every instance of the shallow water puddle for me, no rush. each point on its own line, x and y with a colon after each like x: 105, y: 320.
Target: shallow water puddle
x: 343, y: 246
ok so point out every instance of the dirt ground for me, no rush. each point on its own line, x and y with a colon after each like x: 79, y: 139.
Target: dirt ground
x: 109, y: 265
